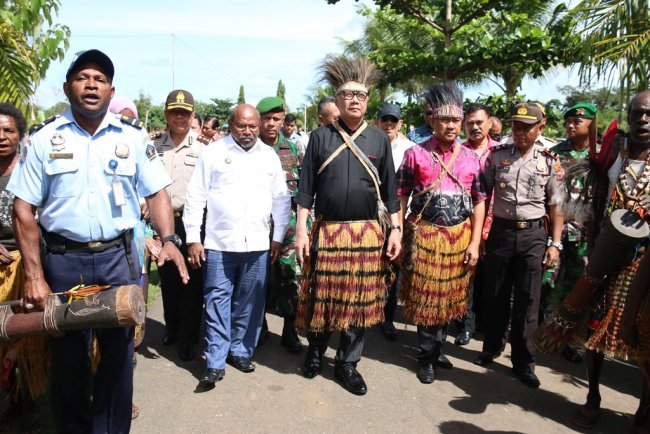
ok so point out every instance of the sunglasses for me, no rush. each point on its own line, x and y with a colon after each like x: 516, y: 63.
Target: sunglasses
x: 389, y: 118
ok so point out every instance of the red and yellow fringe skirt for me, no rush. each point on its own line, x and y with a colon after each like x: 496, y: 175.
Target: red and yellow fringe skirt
x: 29, y: 353
x: 434, y: 280
x: 347, y: 281
x: 605, y: 338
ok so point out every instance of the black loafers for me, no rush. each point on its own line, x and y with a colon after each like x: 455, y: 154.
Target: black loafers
x: 426, y: 372
x: 169, y: 340
x: 443, y: 362
x: 485, y: 358
x: 241, y: 363
x: 463, y: 338
x: 312, y: 365
x: 351, y: 380
x: 527, y: 376
x: 186, y: 354
x: 211, y: 376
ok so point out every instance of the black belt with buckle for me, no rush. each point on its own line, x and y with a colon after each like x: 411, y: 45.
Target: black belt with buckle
x: 519, y: 224
x: 59, y: 244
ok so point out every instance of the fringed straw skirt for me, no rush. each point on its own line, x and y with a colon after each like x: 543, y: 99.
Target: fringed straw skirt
x: 29, y: 353
x: 346, y: 284
x: 605, y: 338
x: 434, y: 280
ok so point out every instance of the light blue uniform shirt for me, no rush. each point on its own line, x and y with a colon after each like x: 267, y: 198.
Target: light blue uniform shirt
x: 70, y: 175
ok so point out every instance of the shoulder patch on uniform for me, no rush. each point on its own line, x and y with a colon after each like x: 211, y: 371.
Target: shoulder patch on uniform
x: 23, y: 152
x: 203, y: 139
x: 501, y: 147
x: 131, y: 121
x: 150, y: 151
x: 37, y: 127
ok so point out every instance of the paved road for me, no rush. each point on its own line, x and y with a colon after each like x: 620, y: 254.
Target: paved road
x: 277, y: 399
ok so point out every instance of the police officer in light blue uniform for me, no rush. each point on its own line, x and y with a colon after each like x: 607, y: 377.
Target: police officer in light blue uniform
x: 85, y: 170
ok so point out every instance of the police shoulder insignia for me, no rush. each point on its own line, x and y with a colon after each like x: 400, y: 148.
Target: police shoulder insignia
x: 501, y: 147
x: 37, y: 127
x: 203, y: 139
x: 151, y: 151
x: 23, y: 152
x: 131, y: 121
x: 551, y: 154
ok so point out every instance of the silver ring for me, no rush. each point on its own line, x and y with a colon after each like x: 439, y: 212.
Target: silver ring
x: 29, y: 306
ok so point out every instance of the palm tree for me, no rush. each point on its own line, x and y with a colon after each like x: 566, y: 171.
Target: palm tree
x: 29, y: 41
x: 616, y: 43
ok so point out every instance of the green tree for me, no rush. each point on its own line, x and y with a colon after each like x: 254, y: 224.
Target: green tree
x: 616, y: 44
x: 152, y: 116
x: 221, y: 108
x: 242, y: 98
x: 419, y: 42
x: 281, y: 90
x: 29, y: 40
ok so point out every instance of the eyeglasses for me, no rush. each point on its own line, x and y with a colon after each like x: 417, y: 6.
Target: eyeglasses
x: 349, y: 94
x: 389, y: 118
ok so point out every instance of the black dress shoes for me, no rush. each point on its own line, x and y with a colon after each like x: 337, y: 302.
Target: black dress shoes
x: 186, y: 354
x: 463, y: 338
x: 351, y: 379
x: 485, y: 358
x: 443, y: 362
x: 242, y: 363
x: 313, y: 360
x: 169, y: 340
x: 211, y: 376
x: 426, y: 372
x: 527, y: 376
x: 290, y: 340
x: 389, y: 331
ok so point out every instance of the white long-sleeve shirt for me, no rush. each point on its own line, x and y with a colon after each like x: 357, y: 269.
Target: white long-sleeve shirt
x: 242, y: 189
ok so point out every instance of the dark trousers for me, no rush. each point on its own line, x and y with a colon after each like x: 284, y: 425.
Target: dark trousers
x: 430, y: 339
x: 468, y: 321
x: 182, y: 304
x: 350, y: 344
x: 71, y: 379
x: 391, y: 300
x: 513, y: 257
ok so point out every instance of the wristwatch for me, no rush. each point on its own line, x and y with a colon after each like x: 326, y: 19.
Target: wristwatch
x: 398, y: 227
x: 556, y: 245
x: 175, y: 239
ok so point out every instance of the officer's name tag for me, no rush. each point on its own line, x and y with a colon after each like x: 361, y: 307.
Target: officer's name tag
x: 61, y: 155
x: 118, y: 193
x: 503, y: 168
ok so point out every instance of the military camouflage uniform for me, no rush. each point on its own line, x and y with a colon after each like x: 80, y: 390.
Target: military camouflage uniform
x: 574, y: 240
x: 283, y: 282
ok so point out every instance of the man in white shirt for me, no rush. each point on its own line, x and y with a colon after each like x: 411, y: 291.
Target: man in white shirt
x: 389, y: 120
x: 242, y: 182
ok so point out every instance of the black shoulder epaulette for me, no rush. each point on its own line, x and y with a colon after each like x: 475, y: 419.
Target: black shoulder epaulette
x: 131, y: 121
x: 550, y: 153
x: 203, y: 139
x: 155, y: 136
x: 501, y: 147
x: 37, y: 127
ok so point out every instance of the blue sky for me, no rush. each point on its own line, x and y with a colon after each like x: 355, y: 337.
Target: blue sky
x: 220, y: 45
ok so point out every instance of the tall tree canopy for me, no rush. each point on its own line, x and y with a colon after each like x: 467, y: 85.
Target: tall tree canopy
x: 29, y: 41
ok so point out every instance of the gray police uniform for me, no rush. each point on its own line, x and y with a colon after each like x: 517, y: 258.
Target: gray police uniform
x: 522, y: 188
x: 87, y: 188
x: 182, y: 304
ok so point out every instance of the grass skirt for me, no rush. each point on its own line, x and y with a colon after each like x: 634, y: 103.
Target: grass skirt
x: 605, y: 338
x: 346, y: 284
x: 30, y: 353
x: 434, y: 280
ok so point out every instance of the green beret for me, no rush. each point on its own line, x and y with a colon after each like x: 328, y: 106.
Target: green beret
x: 270, y: 104
x: 582, y: 110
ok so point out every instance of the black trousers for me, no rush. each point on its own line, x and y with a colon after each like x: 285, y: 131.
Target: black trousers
x: 430, y: 339
x: 182, y: 304
x: 513, y: 257
x: 109, y: 410
x: 350, y: 344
